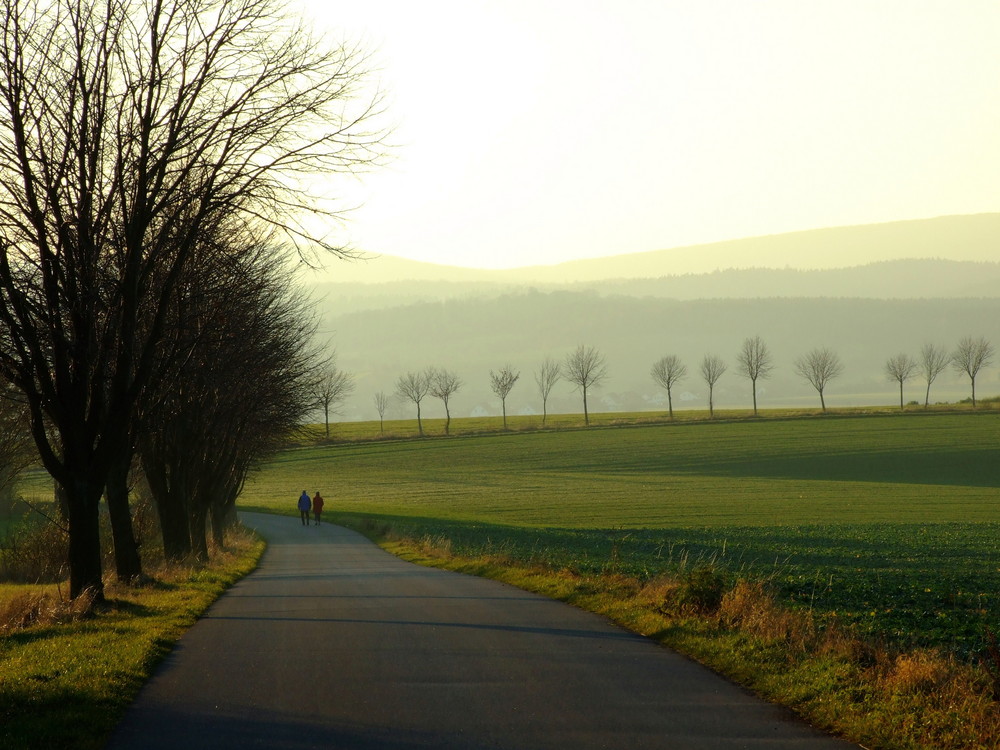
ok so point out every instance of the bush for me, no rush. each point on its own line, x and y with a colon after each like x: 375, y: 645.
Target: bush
x: 700, y: 589
x: 33, y: 552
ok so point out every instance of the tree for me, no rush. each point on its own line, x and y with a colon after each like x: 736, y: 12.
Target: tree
x: 381, y: 404
x: 547, y: 375
x: 970, y: 356
x: 586, y: 368
x: 501, y: 384
x: 819, y: 367
x: 712, y: 368
x: 933, y: 361
x: 755, y: 363
x: 331, y: 388
x: 444, y: 385
x: 667, y: 372
x: 413, y: 386
x: 900, y: 367
x: 249, y: 346
x: 126, y: 128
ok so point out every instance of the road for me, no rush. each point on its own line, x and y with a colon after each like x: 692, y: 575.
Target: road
x: 333, y: 643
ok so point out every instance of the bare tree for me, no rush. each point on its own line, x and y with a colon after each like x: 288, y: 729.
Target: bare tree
x: 501, y: 384
x: 245, y: 385
x: 900, y: 367
x: 933, y: 361
x: 331, y: 388
x: 586, y: 368
x: 819, y: 367
x: 547, y: 375
x: 414, y: 386
x: 667, y: 372
x: 443, y: 385
x: 126, y: 129
x: 755, y: 363
x: 381, y: 404
x: 712, y: 368
x: 970, y: 356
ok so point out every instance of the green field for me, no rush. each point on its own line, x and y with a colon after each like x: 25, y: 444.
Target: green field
x: 890, y: 523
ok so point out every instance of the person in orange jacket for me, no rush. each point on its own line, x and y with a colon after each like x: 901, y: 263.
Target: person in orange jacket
x: 317, y: 506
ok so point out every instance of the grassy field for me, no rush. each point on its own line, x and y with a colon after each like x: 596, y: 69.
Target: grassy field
x: 890, y: 523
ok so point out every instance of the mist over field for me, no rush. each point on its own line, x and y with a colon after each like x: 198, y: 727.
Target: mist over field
x: 395, y: 316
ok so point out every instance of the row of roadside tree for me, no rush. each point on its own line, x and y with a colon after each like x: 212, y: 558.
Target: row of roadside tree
x: 154, y: 165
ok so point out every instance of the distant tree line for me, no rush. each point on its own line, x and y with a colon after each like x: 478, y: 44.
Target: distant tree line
x: 586, y: 368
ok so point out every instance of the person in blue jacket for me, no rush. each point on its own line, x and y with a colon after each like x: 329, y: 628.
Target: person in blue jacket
x: 305, y: 505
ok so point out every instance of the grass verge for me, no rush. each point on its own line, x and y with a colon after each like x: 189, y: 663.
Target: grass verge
x: 66, y: 679
x: 883, y: 698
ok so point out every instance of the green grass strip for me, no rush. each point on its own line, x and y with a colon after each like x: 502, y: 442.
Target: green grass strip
x: 67, y: 685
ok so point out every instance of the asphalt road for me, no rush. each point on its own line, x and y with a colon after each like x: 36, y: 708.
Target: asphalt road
x: 333, y: 643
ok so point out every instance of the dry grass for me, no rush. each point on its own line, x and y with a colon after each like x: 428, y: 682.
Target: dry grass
x: 25, y: 607
x: 750, y: 607
x: 921, y: 671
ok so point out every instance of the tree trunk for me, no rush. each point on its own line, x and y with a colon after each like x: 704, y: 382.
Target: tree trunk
x: 670, y: 404
x: 586, y: 416
x: 822, y: 401
x: 218, y: 514
x: 85, y: 571
x: 223, y: 513
x: 754, y: 397
x: 170, y: 510
x: 128, y: 564
x: 503, y: 406
x: 901, y: 395
x: 199, y: 539
x: 62, y: 500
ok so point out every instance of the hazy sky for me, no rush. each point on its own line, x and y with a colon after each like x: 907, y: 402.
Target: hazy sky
x: 538, y: 131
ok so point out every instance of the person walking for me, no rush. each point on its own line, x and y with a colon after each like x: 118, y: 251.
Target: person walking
x: 304, y: 505
x: 317, y: 506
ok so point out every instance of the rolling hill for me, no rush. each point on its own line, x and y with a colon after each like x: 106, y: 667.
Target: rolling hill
x: 471, y: 321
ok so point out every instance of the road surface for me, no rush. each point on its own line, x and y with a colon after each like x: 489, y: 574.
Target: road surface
x: 333, y: 643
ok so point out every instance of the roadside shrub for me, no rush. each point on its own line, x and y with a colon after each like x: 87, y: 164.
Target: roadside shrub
x: 33, y: 553
x: 700, y: 590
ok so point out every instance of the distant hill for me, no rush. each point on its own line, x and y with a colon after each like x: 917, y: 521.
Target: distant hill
x: 389, y: 316
x: 972, y: 238
x: 899, y: 279
x: 894, y: 279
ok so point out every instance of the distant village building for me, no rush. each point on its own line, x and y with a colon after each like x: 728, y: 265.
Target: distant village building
x: 660, y: 399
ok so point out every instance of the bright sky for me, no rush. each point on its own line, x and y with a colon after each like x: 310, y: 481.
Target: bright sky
x: 538, y: 131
